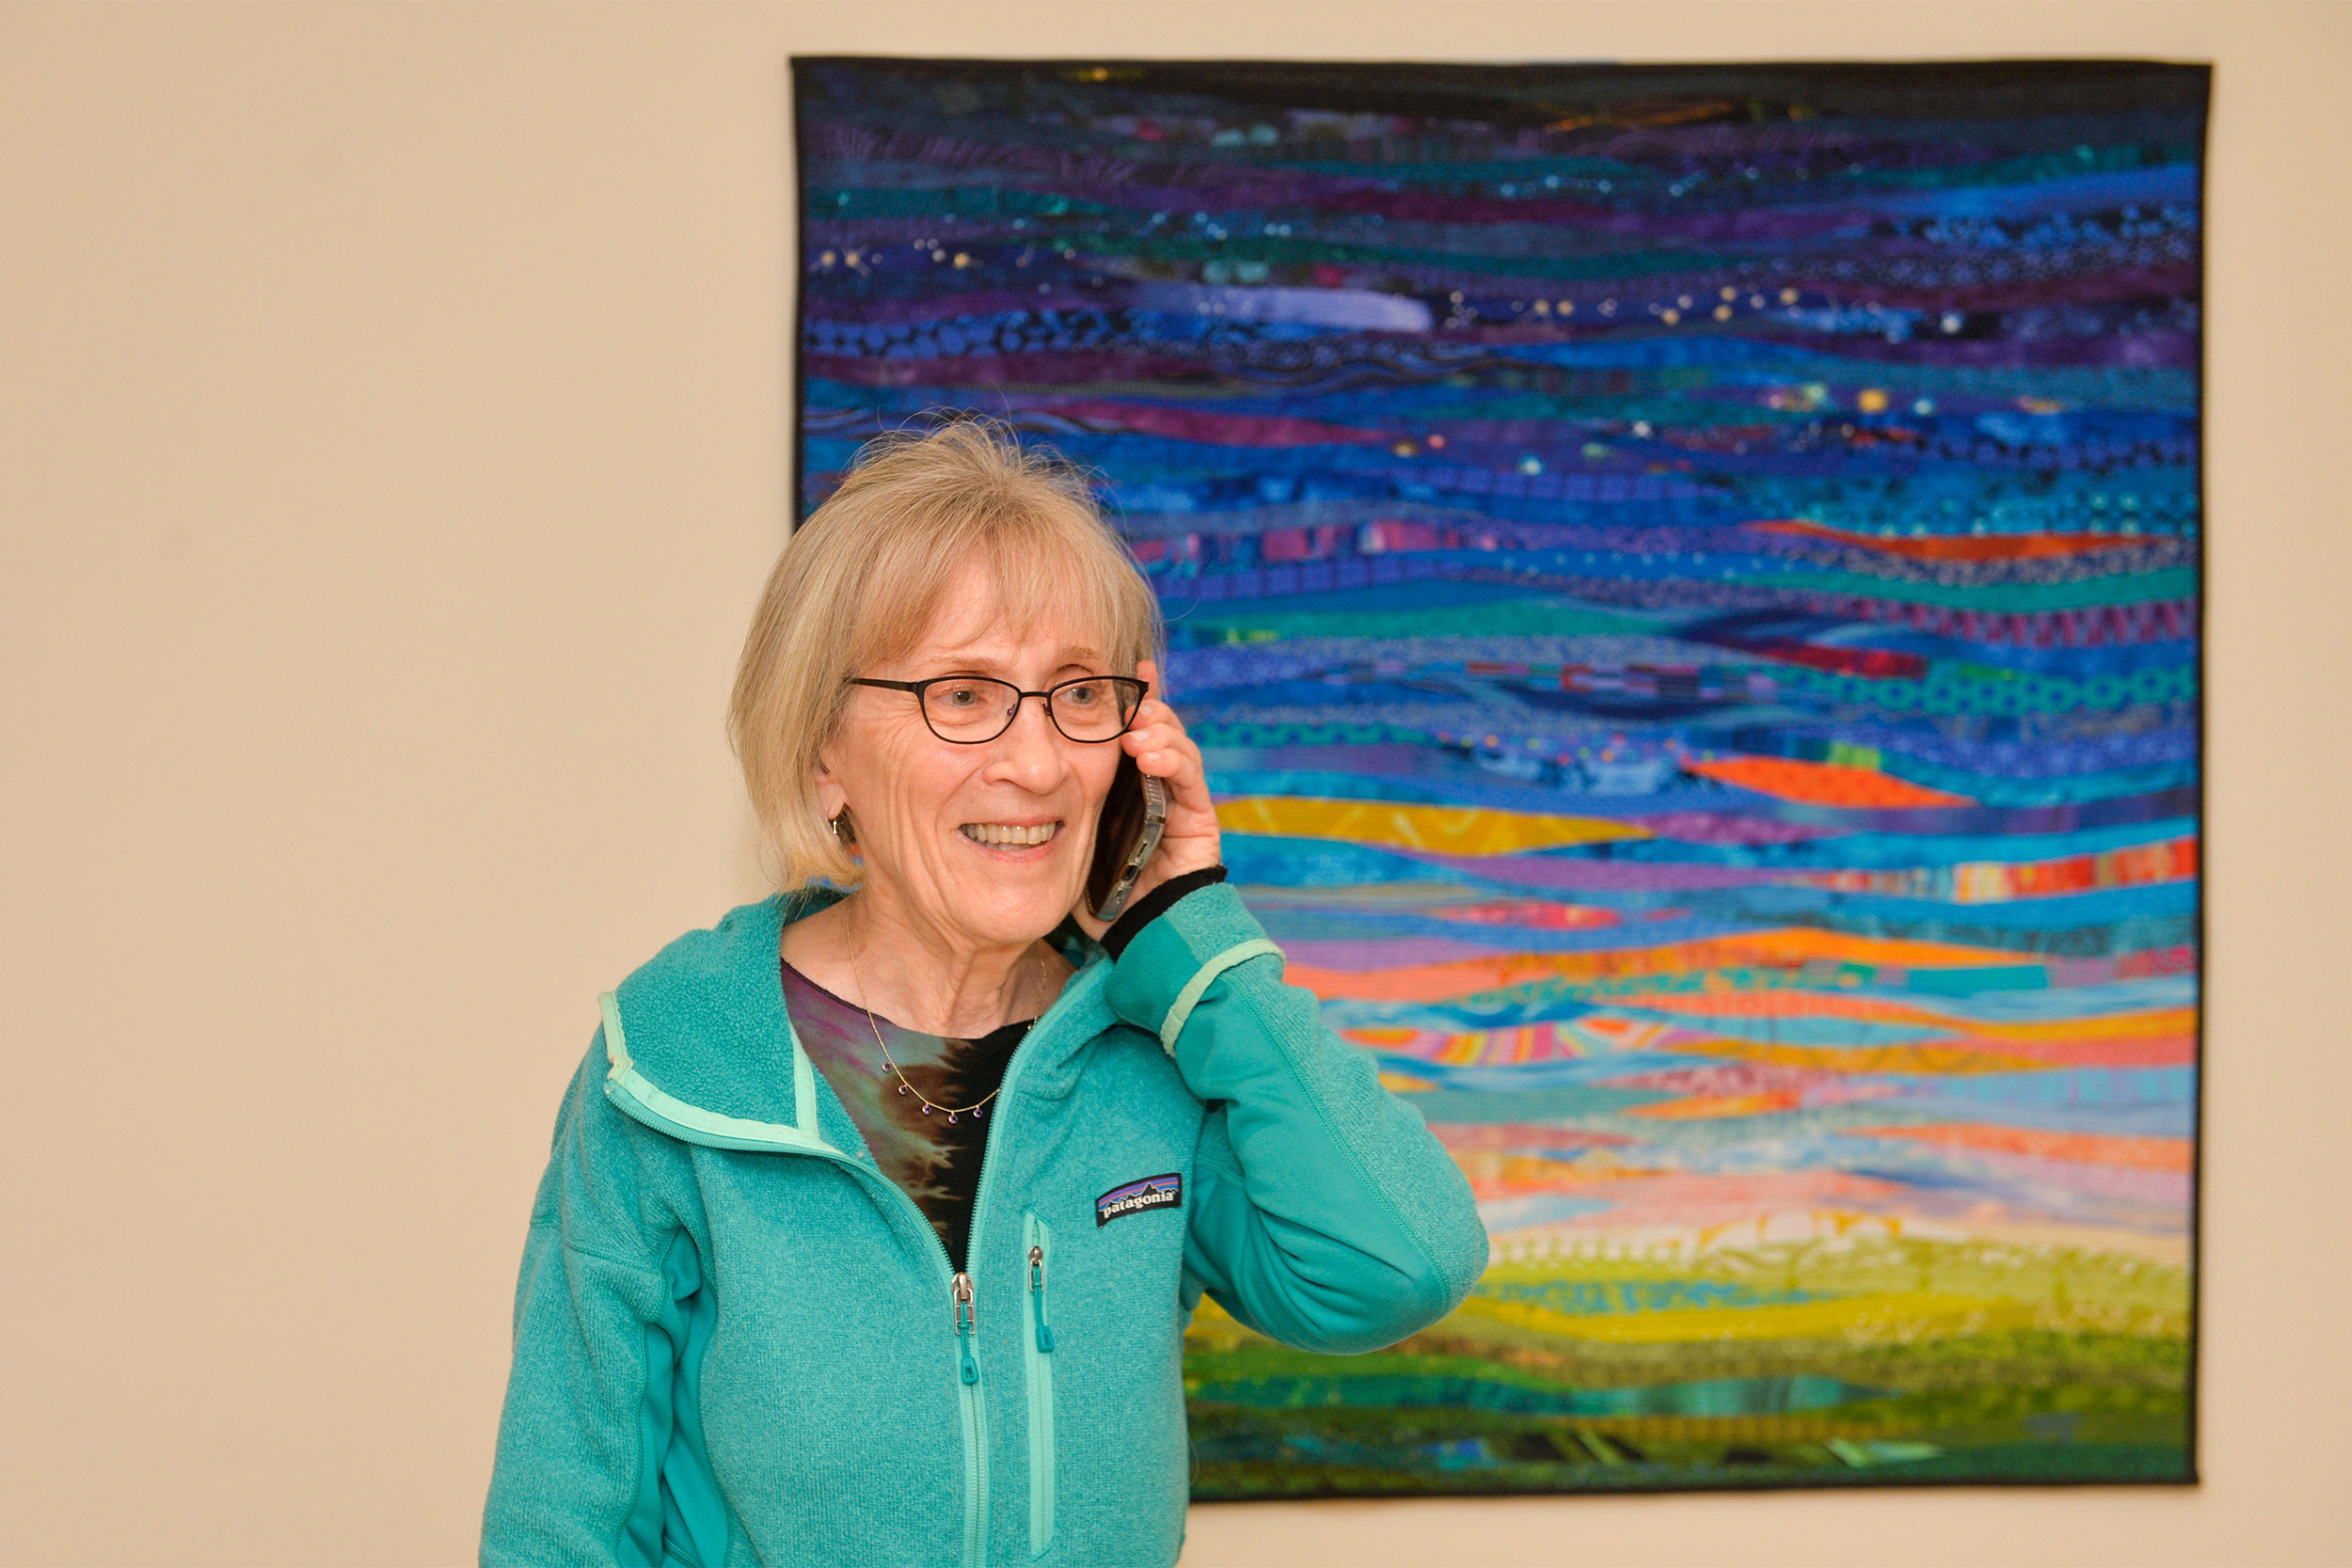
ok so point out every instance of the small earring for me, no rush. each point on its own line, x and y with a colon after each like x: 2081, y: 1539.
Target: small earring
x: 844, y: 830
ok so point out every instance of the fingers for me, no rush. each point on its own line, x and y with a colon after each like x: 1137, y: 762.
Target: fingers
x: 1161, y: 748
x: 1166, y: 753
x: 1162, y: 752
x: 1158, y: 742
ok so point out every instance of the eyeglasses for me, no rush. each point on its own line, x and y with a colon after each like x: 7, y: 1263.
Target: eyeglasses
x: 971, y: 710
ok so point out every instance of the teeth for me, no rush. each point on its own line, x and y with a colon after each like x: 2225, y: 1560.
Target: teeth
x: 1004, y: 835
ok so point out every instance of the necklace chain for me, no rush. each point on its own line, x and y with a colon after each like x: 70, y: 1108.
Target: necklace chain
x: 906, y: 1085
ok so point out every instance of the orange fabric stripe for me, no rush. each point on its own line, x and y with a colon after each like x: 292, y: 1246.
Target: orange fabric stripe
x: 2097, y: 1149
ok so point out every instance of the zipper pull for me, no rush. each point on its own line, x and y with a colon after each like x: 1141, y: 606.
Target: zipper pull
x: 1037, y: 1298
x: 967, y: 1322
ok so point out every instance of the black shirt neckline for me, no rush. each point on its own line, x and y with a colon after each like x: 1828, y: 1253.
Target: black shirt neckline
x: 1003, y: 1035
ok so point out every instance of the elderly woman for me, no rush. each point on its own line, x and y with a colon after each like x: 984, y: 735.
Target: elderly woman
x: 874, y: 1220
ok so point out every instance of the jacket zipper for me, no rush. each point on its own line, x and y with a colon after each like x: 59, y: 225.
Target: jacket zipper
x: 964, y: 1302
x: 961, y: 1297
x: 975, y: 1413
x: 976, y: 1476
x: 1036, y: 1348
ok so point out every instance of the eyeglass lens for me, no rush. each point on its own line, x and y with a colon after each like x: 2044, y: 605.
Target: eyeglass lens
x: 976, y: 708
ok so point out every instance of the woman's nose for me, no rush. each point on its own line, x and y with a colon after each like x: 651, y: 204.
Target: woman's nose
x: 1030, y: 747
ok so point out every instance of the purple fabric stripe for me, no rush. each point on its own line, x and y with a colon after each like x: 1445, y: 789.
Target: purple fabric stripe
x: 1566, y: 875
x: 1361, y: 958
x: 1061, y: 367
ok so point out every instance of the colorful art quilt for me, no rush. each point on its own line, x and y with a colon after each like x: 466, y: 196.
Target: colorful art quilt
x: 1688, y: 582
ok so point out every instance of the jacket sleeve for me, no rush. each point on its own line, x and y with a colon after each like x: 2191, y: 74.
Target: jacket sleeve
x: 1324, y: 1215
x: 605, y: 1321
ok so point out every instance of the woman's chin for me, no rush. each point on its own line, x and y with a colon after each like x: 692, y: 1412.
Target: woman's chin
x: 1012, y: 907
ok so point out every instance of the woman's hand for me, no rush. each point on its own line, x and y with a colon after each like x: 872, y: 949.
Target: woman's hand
x: 1188, y: 839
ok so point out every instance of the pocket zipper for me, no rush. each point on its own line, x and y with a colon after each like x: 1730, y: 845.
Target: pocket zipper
x: 1037, y: 1362
x: 1037, y: 1299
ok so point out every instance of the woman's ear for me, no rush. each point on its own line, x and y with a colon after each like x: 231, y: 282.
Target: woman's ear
x: 831, y: 797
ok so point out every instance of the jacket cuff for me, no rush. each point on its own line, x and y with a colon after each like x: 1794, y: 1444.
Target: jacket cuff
x: 1155, y: 903
x: 1168, y: 964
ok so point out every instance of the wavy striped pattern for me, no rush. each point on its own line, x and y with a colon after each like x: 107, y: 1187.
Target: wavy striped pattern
x: 1687, y: 579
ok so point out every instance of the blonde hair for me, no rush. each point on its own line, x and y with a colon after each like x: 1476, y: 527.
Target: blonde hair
x: 859, y: 582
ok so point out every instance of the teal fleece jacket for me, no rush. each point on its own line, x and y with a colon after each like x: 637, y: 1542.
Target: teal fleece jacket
x: 737, y: 1342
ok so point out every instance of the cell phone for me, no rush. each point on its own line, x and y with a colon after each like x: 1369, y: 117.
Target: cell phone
x: 1125, y: 838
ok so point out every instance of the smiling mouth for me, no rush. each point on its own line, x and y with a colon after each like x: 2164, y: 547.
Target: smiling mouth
x: 1004, y: 835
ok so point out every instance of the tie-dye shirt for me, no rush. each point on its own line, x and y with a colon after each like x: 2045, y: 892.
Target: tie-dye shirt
x: 936, y: 1161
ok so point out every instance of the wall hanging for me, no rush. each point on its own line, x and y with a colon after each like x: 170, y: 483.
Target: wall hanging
x: 1688, y: 581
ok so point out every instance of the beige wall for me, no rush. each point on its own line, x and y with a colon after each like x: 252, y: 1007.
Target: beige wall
x: 393, y: 411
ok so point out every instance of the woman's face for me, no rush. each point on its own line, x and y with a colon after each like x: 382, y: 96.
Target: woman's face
x: 925, y: 807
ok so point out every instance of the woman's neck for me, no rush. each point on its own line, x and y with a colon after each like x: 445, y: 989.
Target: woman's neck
x: 875, y: 950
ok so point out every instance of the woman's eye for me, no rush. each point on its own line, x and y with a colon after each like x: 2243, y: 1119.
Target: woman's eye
x: 1082, y: 696
x: 959, y: 696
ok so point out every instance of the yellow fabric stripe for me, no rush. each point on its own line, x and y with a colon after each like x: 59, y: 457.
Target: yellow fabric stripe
x: 1443, y: 830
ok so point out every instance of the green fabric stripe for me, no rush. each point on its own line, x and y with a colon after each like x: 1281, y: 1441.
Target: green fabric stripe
x: 636, y: 1095
x: 975, y: 1476
x: 615, y: 1043
x: 1189, y: 998
x: 803, y: 1086
x: 2121, y: 588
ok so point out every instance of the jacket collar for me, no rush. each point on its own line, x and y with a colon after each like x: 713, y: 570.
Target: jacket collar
x: 698, y: 1044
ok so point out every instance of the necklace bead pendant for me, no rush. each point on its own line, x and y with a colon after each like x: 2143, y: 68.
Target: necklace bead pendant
x: 974, y: 1112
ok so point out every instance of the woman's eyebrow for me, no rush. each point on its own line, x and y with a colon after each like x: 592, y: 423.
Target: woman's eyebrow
x: 960, y: 662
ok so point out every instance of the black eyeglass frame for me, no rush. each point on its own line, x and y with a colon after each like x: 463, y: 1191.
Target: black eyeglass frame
x: 1142, y: 690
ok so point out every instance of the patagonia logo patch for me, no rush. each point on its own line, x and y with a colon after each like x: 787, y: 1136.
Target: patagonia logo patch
x: 1152, y: 1192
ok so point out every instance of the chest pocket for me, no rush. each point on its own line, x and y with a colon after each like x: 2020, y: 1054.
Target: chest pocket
x: 1102, y: 1242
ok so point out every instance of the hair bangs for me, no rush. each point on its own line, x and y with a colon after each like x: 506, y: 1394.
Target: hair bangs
x: 867, y: 578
